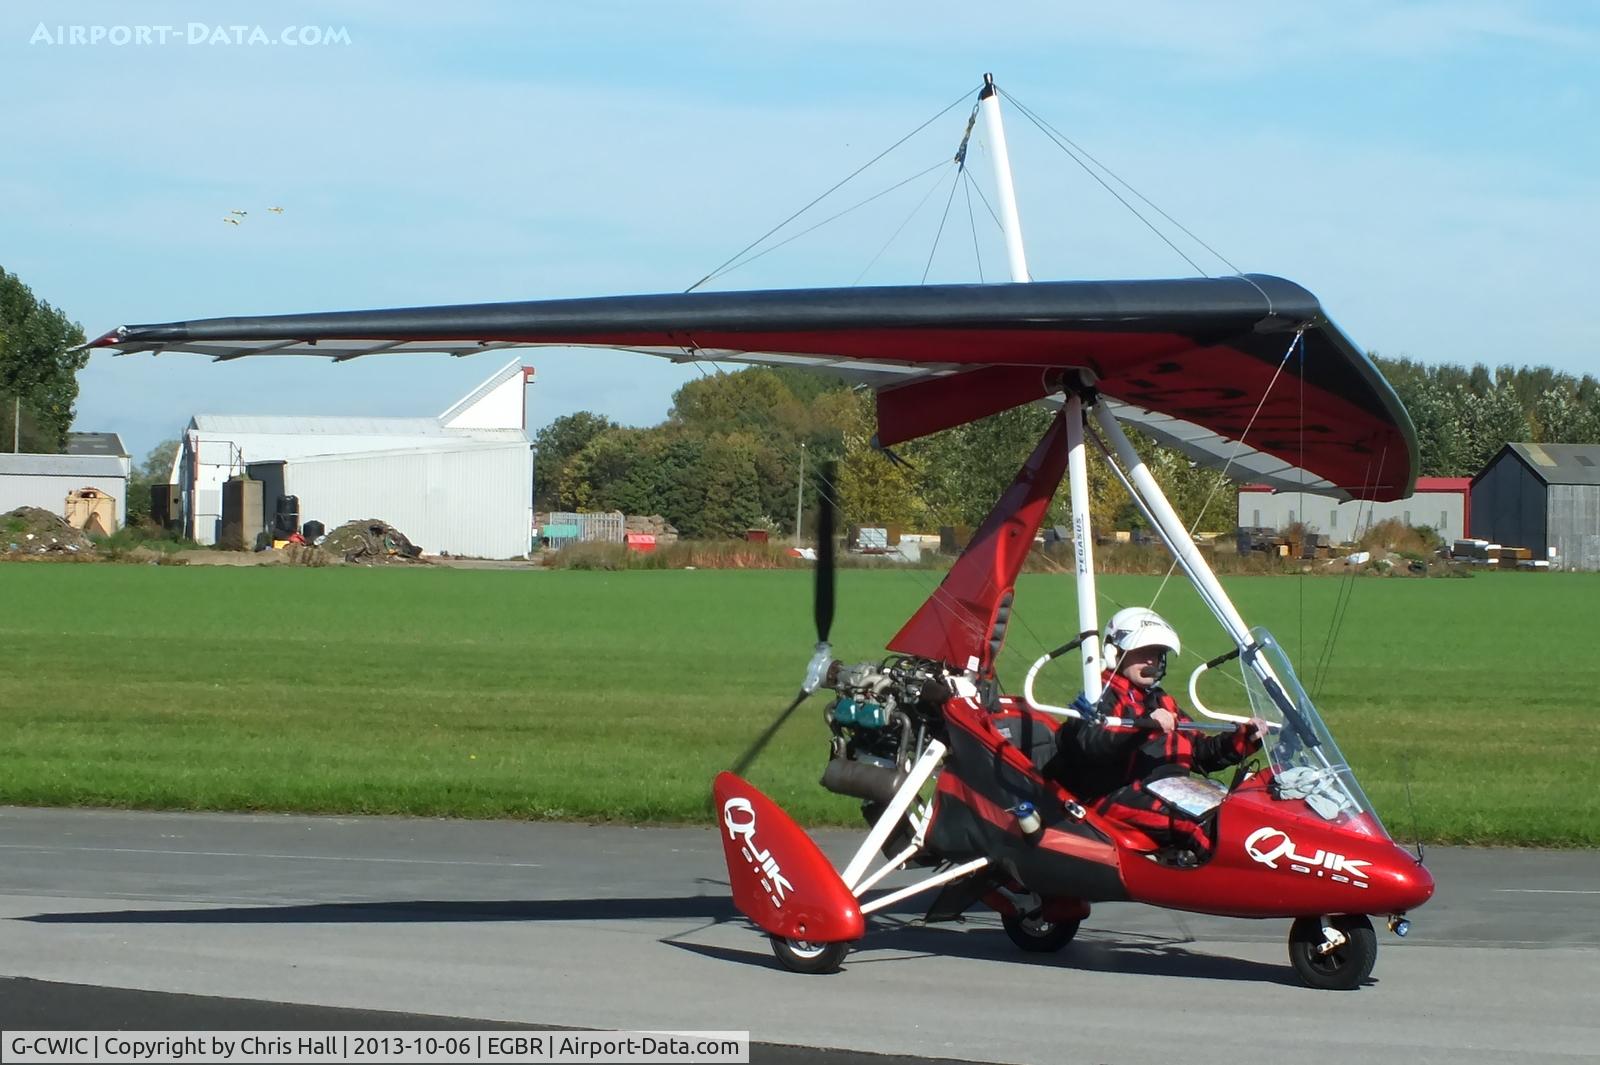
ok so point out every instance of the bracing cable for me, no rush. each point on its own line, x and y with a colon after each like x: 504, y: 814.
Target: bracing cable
x: 831, y: 190
x: 1348, y: 589
x: 1106, y: 185
x: 1238, y: 445
x: 972, y: 221
x: 948, y: 200
x: 986, y: 204
x: 932, y: 187
x: 813, y: 228
x: 1049, y: 129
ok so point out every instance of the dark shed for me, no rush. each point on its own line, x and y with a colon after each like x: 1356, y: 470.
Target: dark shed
x: 1543, y: 497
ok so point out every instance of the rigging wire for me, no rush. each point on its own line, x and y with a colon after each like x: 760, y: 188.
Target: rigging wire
x: 1073, y: 151
x: 831, y: 218
x: 722, y: 267
x: 987, y: 206
x: 932, y: 188
x: 1341, y: 603
x: 948, y: 200
x: 1300, y: 648
x: 958, y: 615
x: 1026, y: 113
x: 1238, y: 445
x: 1336, y: 624
x: 966, y: 185
x: 1123, y: 182
x: 1122, y: 478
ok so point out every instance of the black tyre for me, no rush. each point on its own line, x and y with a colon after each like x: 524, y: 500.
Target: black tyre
x: 801, y: 956
x: 1036, y: 935
x: 1343, y: 969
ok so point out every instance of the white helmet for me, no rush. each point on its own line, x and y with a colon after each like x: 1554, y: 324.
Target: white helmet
x: 1132, y: 628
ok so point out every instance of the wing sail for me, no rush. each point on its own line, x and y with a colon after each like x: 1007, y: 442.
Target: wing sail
x: 1194, y: 361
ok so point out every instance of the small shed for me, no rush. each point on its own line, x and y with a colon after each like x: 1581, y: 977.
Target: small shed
x: 44, y: 481
x: 1545, y: 497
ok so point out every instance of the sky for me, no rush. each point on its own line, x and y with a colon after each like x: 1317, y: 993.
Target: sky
x: 1430, y: 170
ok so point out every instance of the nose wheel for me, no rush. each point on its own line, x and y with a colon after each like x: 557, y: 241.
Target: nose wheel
x: 1333, y: 953
x: 804, y: 956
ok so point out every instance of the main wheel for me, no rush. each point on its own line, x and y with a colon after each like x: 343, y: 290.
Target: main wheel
x: 1036, y: 935
x: 1342, y: 969
x: 803, y: 956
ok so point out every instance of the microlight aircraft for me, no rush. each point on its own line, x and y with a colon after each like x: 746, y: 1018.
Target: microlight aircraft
x: 1245, y: 373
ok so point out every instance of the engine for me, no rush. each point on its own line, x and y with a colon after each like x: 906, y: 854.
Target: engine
x: 883, y: 717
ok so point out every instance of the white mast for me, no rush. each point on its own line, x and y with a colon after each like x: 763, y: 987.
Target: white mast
x: 989, y: 101
x: 1077, y: 460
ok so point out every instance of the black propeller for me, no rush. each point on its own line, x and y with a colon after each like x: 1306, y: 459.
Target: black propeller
x: 822, y: 595
x: 822, y: 609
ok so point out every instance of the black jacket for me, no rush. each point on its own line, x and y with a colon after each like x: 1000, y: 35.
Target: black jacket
x: 1094, y: 759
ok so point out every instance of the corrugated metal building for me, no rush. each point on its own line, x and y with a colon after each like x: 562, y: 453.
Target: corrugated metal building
x: 1441, y: 503
x: 93, y: 460
x: 461, y: 482
x: 1545, y: 497
x: 460, y: 498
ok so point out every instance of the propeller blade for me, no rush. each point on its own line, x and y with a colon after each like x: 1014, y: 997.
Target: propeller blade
x: 822, y: 603
x: 766, y: 737
x: 822, y: 607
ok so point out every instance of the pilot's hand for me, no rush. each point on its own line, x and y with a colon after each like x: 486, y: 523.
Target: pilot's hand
x: 1165, y: 718
x: 1258, y: 729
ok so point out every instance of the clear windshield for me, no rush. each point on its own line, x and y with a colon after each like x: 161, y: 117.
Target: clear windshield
x: 1306, y: 764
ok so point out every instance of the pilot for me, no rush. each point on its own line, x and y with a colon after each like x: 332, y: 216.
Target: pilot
x: 1114, y: 767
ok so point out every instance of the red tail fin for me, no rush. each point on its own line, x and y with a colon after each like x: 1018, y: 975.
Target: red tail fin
x: 780, y: 879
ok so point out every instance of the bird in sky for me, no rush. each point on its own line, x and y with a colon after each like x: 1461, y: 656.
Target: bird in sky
x: 240, y: 214
x: 275, y: 210
x: 231, y: 221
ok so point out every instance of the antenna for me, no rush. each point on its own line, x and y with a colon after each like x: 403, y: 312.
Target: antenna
x: 1405, y: 775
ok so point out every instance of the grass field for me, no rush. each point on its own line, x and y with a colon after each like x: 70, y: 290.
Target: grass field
x: 619, y: 695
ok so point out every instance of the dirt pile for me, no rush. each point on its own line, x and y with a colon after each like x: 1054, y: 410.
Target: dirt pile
x: 370, y: 542
x: 651, y: 525
x: 32, y: 531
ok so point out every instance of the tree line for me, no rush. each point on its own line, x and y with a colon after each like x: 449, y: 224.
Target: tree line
x: 39, y: 364
x: 727, y: 457
x: 1464, y: 416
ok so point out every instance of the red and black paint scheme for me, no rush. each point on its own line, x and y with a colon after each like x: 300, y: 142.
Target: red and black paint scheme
x: 1197, y: 355
x: 1199, y: 363
x: 995, y: 762
x: 1274, y: 854
x: 1274, y: 857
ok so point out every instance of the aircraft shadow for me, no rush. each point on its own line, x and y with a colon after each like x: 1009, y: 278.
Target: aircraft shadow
x: 888, y: 942
x: 1142, y: 955
x: 711, y: 908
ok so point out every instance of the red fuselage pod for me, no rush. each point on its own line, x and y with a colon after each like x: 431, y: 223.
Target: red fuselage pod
x: 780, y: 879
x: 1276, y: 858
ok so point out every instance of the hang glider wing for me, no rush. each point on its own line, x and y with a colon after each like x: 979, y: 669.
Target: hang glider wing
x: 1194, y: 361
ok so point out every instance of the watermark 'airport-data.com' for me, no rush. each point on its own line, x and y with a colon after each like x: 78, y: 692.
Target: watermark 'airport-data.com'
x: 188, y: 34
